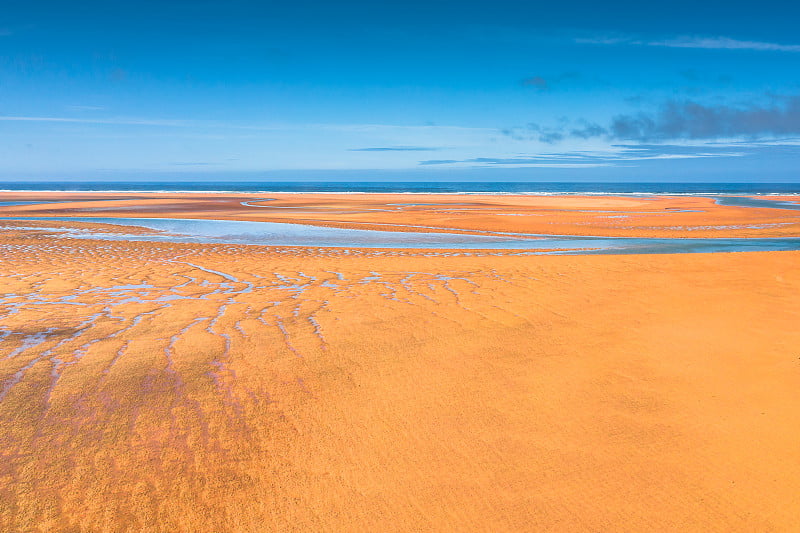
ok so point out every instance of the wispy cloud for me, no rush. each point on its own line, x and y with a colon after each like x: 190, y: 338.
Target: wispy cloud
x: 86, y: 108
x: 608, y: 40
x: 110, y: 121
x: 618, y: 155
x: 724, y: 43
x: 514, y: 162
x: 397, y: 149
x: 691, y: 41
x: 373, y: 129
x: 440, y: 161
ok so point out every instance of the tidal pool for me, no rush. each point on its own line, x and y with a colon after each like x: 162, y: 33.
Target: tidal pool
x: 284, y: 234
x: 742, y: 201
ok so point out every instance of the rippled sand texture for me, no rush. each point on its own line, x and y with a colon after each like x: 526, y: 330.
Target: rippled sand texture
x: 152, y: 387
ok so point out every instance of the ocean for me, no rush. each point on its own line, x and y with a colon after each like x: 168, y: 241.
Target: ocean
x: 409, y: 187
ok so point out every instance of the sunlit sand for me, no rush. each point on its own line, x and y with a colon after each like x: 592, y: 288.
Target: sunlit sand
x: 212, y: 387
x: 644, y: 216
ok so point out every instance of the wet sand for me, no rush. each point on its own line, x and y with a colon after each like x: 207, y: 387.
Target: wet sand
x: 622, y: 216
x: 179, y: 387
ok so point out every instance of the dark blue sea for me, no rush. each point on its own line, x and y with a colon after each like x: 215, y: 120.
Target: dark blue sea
x: 410, y: 187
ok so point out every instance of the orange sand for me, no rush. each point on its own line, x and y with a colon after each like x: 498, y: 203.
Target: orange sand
x: 176, y: 387
x: 664, y: 216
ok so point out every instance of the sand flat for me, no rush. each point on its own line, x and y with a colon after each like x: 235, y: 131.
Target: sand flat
x: 183, y: 387
x: 647, y: 216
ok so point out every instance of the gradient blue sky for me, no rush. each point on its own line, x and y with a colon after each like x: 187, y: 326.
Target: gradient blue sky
x: 500, y: 90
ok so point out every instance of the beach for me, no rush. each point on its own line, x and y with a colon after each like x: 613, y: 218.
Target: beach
x: 173, y: 386
x: 602, y: 215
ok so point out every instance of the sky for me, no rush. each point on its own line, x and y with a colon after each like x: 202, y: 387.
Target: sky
x: 415, y: 90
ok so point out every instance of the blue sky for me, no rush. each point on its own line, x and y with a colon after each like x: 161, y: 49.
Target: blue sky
x: 501, y: 90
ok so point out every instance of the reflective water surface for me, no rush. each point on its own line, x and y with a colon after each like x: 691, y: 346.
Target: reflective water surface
x: 283, y: 234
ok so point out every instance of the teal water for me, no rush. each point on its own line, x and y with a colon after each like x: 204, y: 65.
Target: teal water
x: 452, y: 187
x: 739, y: 201
x: 282, y: 234
x: 18, y: 202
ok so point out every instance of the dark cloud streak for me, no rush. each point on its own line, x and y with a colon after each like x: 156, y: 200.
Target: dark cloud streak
x: 691, y: 120
x: 544, y: 84
x: 680, y: 120
x: 622, y: 155
x: 536, y: 82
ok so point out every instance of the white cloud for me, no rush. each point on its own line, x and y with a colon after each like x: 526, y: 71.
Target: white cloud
x: 373, y: 129
x: 607, y: 40
x: 113, y: 121
x: 86, y: 108
x: 690, y: 41
x: 724, y: 43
